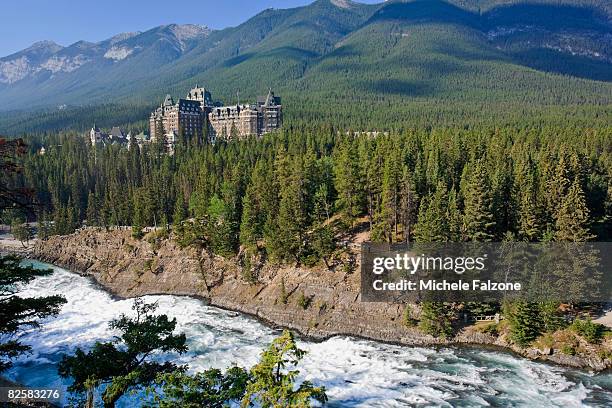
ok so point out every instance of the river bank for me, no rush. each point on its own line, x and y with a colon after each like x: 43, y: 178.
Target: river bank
x: 357, y: 373
x: 128, y: 267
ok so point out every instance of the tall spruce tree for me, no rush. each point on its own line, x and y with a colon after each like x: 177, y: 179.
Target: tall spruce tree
x: 478, y: 218
x: 432, y: 225
x: 408, y: 203
x: 573, y: 217
x: 348, y: 183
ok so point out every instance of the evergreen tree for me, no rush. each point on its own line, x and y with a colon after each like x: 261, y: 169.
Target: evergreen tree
x: 573, y: 217
x: 525, y: 322
x: 322, y: 206
x: 435, y: 319
x: 529, y: 224
x: 455, y: 221
x: 408, y: 203
x: 432, y: 225
x: 210, y: 388
x: 388, y: 217
x: 92, y: 210
x: 138, y: 220
x: 348, y: 181
x: 44, y: 226
x: 180, y: 214
x: 22, y: 232
x: 18, y: 313
x: 557, y: 185
x: 293, y: 215
x: 124, y: 364
x: 272, y: 382
x: 221, y: 228
x: 478, y: 218
x: 323, y: 243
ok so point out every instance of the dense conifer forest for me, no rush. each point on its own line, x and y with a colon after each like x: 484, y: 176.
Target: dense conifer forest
x: 293, y: 193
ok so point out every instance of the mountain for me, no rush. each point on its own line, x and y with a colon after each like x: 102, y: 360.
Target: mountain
x: 346, y: 62
x: 54, y: 70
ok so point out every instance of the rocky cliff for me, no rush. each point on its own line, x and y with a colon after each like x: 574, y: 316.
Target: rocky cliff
x: 313, y: 301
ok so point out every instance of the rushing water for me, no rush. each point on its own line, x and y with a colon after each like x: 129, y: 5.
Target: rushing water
x: 356, y: 373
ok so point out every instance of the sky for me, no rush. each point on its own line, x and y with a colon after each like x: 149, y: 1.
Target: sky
x: 23, y: 22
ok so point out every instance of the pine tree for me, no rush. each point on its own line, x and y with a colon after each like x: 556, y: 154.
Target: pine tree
x: 292, y: 214
x: 408, y: 203
x: 273, y: 382
x: 92, y: 210
x: 250, y: 226
x: 221, y: 228
x: 455, y: 221
x: 573, y: 217
x: 138, y: 219
x: 529, y: 216
x: 125, y: 364
x: 180, y: 213
x: 525, y: 322
x: 557, y: 186
x: 388, y: 218
x: 501, y: 202
x: 18, y: 313
x: 478, y: 219
x: 348, y: 181
x: 371, y: 158
x: 322, y: 208
x: 432, y: 225
x: 435, y: 319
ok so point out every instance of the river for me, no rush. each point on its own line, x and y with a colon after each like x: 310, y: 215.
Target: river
x: 356, y: 372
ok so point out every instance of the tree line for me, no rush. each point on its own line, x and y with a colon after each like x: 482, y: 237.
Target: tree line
x: 292, y: 192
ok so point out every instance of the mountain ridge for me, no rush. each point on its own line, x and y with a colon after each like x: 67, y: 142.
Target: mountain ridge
x: 399, y: 52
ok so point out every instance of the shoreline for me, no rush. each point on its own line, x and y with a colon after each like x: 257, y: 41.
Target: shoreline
x: 320, y: 339
x: 319, y: 322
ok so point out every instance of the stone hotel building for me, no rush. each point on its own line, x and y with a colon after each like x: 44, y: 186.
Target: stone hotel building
x: 190, y: 117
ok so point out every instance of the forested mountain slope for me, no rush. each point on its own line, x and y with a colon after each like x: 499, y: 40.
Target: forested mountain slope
x: 400, y: 63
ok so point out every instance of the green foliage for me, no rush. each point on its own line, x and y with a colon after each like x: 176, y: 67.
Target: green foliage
x: 573, y: 216
x: 44, y: 226
x: 592, y: 332
x: 247, y: 271
x: 323, y: 243
x: 18, y: 313
x: 568, y: 349
x: 191, y: 232
x: 210, y: 388
x: 407, y: 319
x: 525, y: 322
x: 348, y: 180
x: 293, y: 193
x: 491, y: 329
x: 432, y: 224
x: 436, y: 319
x: 552, y: 319
x: 221, y: 227
x: 283, y: 296
x: 23, y: 232
x: 303, y: 301
x: 272, y: 381
x: 481, y: 308
x: 125, y: 364
x: 478, y: 219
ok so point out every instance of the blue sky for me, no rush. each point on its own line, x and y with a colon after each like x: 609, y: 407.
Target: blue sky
x: 24, y: 22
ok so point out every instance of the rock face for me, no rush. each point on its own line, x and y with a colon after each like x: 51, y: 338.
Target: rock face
x: 315, y: 302
x: 129, y: 267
